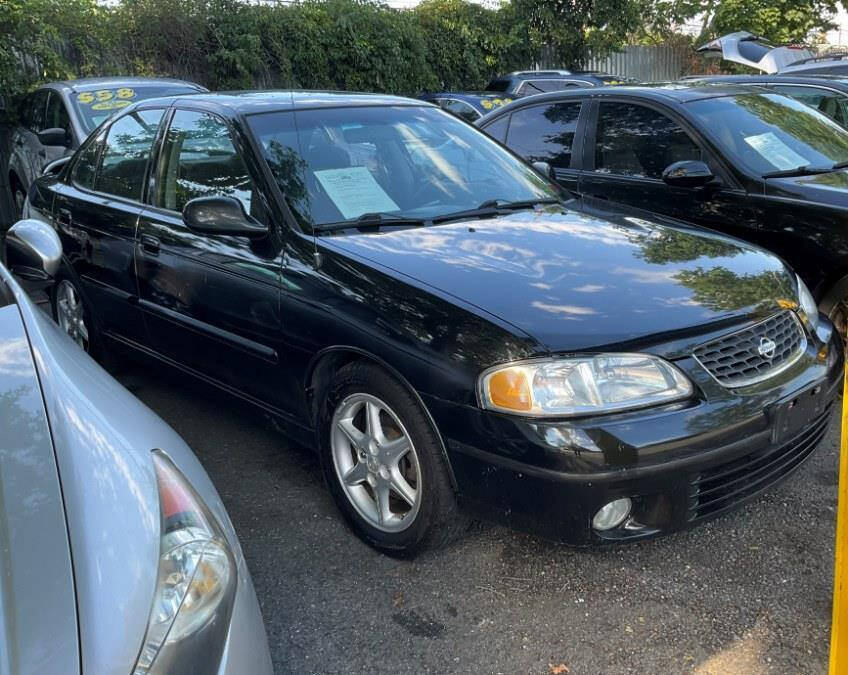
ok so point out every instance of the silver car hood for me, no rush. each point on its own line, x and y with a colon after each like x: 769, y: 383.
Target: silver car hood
x: 103, y: 438
x: 38, y: 624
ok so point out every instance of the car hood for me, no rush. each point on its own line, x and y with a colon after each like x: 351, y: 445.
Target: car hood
x: 825, y: 188
x: 103, y: 437
x: 38, y: 619
x: 576, y: 280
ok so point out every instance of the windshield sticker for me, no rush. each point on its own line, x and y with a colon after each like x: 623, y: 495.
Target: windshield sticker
x: 776, y: 151
x: 107, y: 99
x: 354, y: 191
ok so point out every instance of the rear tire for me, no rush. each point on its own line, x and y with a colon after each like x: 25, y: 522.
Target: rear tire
x: 383, y: 463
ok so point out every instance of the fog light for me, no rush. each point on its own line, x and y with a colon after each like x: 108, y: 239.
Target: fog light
x: 612, y: 515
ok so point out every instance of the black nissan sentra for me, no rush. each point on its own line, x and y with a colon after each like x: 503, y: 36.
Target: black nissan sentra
x: 426, y: 310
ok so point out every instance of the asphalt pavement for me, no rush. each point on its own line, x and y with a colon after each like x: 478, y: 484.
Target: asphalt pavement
x: 748, y: 593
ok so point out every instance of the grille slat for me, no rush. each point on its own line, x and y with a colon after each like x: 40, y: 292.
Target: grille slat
x: 734, y: 360
x: 721, y: 487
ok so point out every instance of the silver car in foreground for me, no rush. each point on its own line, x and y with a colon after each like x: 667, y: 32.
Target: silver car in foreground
x: 116, y: 553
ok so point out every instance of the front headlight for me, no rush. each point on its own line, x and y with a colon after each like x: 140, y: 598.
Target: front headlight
x: 583, y: 385
x: 192, y: 605
x: 807, y: 305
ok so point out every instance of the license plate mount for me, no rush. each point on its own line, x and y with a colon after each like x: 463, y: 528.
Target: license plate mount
x: 793, y: 414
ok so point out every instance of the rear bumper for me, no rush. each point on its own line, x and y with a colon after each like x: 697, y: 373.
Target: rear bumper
x: 680, y: 465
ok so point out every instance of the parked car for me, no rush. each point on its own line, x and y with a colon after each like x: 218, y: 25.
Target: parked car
x: 529, y: 82
x: 747, y: 162
x: 467, y: 105
x: 118, y: 553
x: 57, y: 117
x: 826, y: 93
x: 422, y: 307
x: 756, y: 52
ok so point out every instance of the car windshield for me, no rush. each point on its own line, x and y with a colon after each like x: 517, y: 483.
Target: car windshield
x: 768, y: 133
x: 95, y: 105
x: 399, y: 162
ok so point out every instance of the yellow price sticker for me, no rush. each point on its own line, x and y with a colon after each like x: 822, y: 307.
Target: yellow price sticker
x: 85, y: 97
x: 487, y: 104
x: 110, y: 105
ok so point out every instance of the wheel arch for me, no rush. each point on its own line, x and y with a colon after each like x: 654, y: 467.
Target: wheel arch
x: 835, y: 292
x: 328, y: 361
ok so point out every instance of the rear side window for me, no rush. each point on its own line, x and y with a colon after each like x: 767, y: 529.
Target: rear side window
x: 545, y: 133
x: 541, y: 86
x: 633, y: 140
x: 831, y: 103
x: 129, y: 142
x: 497, y: 129
x: 498, y: 85
x: 199, y: 159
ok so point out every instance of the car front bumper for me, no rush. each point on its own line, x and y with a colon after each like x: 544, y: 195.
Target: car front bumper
x: 680, y: 464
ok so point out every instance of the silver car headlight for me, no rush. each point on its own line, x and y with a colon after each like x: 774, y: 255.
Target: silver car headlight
x: 807, y: 305
x: 583, y: 385
x: 196, y: 584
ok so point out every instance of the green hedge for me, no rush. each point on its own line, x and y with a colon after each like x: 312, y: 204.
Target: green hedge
x: 228, y: 44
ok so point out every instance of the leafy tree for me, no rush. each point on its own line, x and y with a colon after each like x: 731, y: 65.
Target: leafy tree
x: 722, y: 290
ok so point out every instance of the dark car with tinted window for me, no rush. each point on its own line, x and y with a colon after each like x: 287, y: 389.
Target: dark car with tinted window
x: 745, y: 161
x: 56, y: 118
x: 428, y: 312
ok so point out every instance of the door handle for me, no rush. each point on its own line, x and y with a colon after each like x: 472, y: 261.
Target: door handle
x: 150, y: 244
x: 64, y: 217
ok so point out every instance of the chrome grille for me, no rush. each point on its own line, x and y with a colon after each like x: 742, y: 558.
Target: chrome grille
x: 736, y: 360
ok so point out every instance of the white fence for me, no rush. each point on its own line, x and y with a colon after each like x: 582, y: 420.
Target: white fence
x: 646, y: 63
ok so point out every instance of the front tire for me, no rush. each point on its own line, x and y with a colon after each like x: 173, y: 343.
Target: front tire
x: 73, y: 315
x: 18, y: 199
x: 383, y: 463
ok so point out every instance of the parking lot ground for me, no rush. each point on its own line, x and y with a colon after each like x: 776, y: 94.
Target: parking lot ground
x: 748, y: 593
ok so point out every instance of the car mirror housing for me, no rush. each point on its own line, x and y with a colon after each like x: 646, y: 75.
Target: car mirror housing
x: 545, y: 169
x: 55, y: 136
x: 221, y: 215
x: 689, y: 173
x: 33, y: 250
x: 55, y: 167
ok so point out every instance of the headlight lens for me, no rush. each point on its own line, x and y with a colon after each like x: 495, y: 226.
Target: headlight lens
x: 582, y: 385
x: 196, y: 582
x: 807, y: 304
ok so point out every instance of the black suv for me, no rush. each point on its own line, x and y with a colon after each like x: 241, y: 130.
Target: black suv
x: 741, y: 160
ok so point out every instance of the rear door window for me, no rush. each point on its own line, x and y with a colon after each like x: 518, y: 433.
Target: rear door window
x: 633, y: 140
x: 544, y: 133
x: 129, y: 143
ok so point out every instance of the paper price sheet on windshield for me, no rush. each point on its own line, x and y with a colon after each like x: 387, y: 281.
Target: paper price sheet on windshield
x: 776, y: 151
x: 354, y: 191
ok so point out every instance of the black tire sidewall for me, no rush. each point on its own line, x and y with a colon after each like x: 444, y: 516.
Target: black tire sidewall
x: 437, y: 499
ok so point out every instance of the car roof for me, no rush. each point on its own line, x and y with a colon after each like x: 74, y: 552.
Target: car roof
x: 248, y: 102
x: 89, y: 83
x: 838, y: 81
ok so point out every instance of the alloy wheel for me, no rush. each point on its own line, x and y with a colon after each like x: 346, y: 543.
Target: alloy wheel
x: 375, y: 462
x: 20, y: 198
x: 71, y: 314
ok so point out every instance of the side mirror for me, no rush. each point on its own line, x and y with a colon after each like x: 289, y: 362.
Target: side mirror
x: 54, y: 136
x: 689, y: 174
x: 33, y: 250
x: 545, y: 169
x: 53, y: 168
x: 221, y: 215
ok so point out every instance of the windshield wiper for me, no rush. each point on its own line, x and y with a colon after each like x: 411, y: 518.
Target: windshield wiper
x: 371, y: 220
x: 803, y: 170
x: 493, y: 207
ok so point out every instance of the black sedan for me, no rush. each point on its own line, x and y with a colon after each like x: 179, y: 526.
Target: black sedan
x: 741, y: 160
x: 423, y: 308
